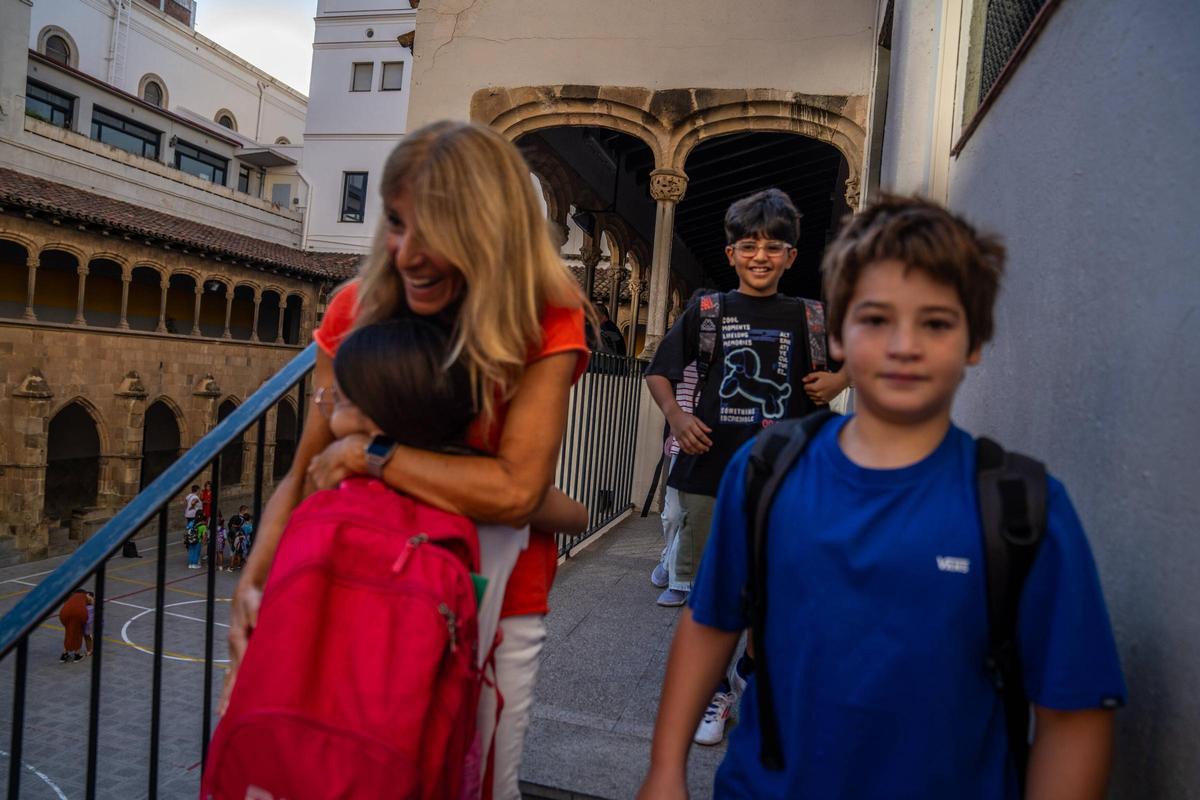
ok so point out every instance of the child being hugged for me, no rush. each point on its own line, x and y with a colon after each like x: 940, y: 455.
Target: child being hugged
x: 365, y: 668
x: 879, y: 618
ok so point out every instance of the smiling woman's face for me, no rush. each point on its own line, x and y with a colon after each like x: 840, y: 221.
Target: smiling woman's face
x: 431, y: 282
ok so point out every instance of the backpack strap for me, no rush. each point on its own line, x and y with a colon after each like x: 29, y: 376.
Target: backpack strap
x: 773, y: 454
x: 710, y: 323
x: 1012, y: 513
x: 814, y: 318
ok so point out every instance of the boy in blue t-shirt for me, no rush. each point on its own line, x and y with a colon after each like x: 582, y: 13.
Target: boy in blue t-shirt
x: 877, y: 630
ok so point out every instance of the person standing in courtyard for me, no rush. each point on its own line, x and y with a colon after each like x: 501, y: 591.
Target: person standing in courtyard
x: 192, y: 506
x: 74, y: 618
x: 751, y: 368
x: 463, y: 244
x: 880, y: 631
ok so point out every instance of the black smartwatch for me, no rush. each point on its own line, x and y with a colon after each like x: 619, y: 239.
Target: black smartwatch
x: 379, y: 451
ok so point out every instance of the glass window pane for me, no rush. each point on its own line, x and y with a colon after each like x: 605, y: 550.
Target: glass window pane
x: 152, y: 94
x: 354, y: 197
x: 281, y: 194
x: 244, y: 180
x: 58, y: 50
x: 393, y: 76
x: 48, y: 105
x: 361, y: 80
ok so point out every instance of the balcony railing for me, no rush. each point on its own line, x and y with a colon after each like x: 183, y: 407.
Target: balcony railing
x: 595, y: 467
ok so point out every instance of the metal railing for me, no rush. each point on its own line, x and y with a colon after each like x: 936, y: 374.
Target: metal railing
x: 595, y: 467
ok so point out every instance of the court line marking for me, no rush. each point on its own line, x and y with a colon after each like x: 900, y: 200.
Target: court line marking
x: 140, y: 614
x: 48, y: 571
x: 173, y: 613
x: 50, y: 626
x: 53, y: 786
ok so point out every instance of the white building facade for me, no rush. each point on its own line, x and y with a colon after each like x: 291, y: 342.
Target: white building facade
x: 357, y: 112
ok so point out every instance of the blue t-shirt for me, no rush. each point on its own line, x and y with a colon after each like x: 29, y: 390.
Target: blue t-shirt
x: 877, y: 628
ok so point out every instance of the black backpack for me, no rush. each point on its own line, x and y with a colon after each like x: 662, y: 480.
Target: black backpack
x: 1012, y: 507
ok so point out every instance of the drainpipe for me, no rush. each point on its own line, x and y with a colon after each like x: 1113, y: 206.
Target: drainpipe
x: 111, y: 58
x: 308, y: 204
x: 258, y: 121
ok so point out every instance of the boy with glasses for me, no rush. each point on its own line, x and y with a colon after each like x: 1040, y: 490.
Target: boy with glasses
x: 756, y: 377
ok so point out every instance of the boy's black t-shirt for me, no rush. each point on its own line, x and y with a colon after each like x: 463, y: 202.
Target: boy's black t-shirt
x: 755, y: 379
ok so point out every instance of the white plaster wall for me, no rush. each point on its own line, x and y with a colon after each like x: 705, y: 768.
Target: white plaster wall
x: 905, y: 165
x: 199, y: 74
x: 1087, y: 165
x: 797, y: 45
x: 352, y: 131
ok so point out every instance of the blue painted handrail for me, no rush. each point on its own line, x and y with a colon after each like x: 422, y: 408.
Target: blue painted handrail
x: 48, y: 594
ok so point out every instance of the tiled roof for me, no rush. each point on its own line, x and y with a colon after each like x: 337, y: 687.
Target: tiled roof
x: 26, y: 191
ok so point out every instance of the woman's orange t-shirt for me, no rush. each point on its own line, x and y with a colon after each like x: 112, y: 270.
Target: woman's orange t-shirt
x: 562, y: 332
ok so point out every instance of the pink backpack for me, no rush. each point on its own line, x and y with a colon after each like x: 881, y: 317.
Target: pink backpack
x: 360, y: 678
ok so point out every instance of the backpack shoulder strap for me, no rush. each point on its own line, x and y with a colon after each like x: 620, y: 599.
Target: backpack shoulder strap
x: 710, y: 323
x: 774, y: 452
x: 1012, y: 510
x: 814, y: 318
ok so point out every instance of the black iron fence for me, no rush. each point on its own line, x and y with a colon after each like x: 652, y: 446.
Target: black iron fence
x: 595, y: 467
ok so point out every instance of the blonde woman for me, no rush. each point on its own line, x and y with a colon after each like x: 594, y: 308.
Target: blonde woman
x: 464, y: 243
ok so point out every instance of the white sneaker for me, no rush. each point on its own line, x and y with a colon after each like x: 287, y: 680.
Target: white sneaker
x: 711, y: 730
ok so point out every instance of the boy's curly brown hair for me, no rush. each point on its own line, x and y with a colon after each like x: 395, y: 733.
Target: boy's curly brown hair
x: 923, y: 236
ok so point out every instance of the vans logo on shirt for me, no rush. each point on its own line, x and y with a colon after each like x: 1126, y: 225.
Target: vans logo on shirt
x: 952, y: 564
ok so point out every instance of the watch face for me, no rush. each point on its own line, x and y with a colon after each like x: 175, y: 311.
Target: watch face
x: 380, y: 446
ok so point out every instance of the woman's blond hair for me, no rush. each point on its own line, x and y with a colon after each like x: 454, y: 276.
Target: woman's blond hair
x: 474, y: 203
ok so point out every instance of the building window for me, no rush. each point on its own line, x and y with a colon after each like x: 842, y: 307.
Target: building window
x: 360, y: 80
x: 282, y: 140
x: 153, y: 94
x: 201, y: 163
x: 354, y: 196
x: 58, y: 50
x: 393, y: 76
x: 126, y: 134
x: 226, y: 119
x: 48, y: 105
x: 244, y: 180
x: 281, y: 194
x: 1005, y: 25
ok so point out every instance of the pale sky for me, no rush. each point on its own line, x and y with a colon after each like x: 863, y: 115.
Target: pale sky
x: 274, y: 35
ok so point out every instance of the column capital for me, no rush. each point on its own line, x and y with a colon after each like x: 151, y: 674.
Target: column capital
x: 589, y: 254
x: 33, y: 261
x: 853, y: 195
x: 82, y: 269
x: 199, y: 289
x: 668, y: 185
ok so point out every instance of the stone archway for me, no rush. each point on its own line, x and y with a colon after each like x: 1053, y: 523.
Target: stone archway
x: 286, y: 435
x: 161, y: 439
x: 73, y: 454
x: 672, y: 122
x: 233, y: 456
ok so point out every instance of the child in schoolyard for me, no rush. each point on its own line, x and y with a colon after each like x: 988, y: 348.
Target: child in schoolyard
x: 192, y: 506
x: 222, y: 533
x: 192, y: 538
x: 751, y: 376
x: 75, y: 618
x: 877, y: 630
x: 391, y: 379
x: 237, y: 544
x: 247, y: 533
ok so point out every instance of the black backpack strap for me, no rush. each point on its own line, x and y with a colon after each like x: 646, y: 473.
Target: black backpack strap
x: 1012, y: 512
x: 710, y: 324
x: 814, y: 323
x: 774, y: 453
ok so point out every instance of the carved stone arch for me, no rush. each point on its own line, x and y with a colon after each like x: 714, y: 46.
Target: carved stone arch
x: 163, y: 273
x: 517, y: 111
x: 108, y: 255
x: 814, y: 116
x: 249, y: 284
x: 180, y: 417
x: 222, y: 279
x: 31, y: 246
x: 277, y: 289
x: 66, y: 247
x: 190, y: 272
x: 102, y: 430
x: 54, y: 30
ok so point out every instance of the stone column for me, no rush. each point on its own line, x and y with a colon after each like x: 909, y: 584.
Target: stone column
x: 853, y: 196
x: 616, y: 265
x: 228, y: 312
x: 31, y: 281
x: 24, y: 479
x: 667, y: 187
x: 125, y: 465
x: 162, y: 307
x: 124, y: 323
x: 196, y: 308
x: 254, y: 324
x: 279, y: 325
x: 82, y: 272
x: 589, y: 254
x: 635, y: 312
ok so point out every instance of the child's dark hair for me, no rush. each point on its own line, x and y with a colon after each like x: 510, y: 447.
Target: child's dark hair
x: 923, y: 236
x: 768, y: 213
x: 396, y: 373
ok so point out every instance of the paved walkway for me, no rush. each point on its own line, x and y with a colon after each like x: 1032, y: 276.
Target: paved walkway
x: 596, y: 699
x: 601, y: 674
